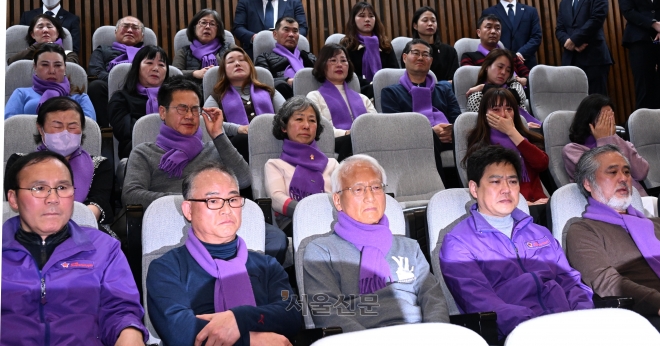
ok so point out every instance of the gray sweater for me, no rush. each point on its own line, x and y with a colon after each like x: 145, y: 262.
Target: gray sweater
x: 144, y: 182
x: 331, y: 270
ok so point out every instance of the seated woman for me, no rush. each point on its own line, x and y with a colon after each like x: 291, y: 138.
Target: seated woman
x: 207, y: 34
x: 368, y: 47
x: 241, y: 97
x: 60, y: 125
x: 445, y: 59
x: 43, y: 29
x: 497, y: 72
x: 335, y: 99
x: 302, y: 169
x: 594, y: 126
x: 139, y: 95
x: 49, y: 80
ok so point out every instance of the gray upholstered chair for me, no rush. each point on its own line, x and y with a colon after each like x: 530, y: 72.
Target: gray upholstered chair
x: 421, y: 333
x: 385, y: 78
x: 304, y: 82
x: 117, y: 77
x: 264, y: 42
x: 398, y: 44
x: 554, y: 88
x: 643, y: 126
x: 211, y: 78
x: 181, y: 39
x: 334, y: 38
x: 462, y: 127
x: 19, y: 75
x: 556, y: 128
x: 16, y: 40
x: 82, y: 215
x: 105, y: 36
x: 464, y: 79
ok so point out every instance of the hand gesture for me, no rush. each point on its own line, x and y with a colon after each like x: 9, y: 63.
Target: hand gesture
x: 221, y: 329
x: 243, y: 129
x: 474, y: 89
x: 522, y: 81
x: 605, y: 125
x: 502, y: 124
x: 199, y: 74
x: 569, y: 45
x: 533, y: 125
x: 444, y: 131
x: 213, y: 119
x: 539, y: 201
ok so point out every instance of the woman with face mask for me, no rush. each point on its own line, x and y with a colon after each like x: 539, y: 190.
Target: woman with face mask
x: 42, y: 30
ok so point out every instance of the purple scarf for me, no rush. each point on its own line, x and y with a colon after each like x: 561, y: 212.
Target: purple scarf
x: 48, y: 89
x: 590, y: 142
x: 295, y: 62
x: 310, y: 163
x: 152, y: 94
x: 481, y: 49
x: 206, y: 52
x: 342, y: 116
x: 374, y: 242
x: 371, y: 59
x: 499, y: 138
x: 234, y: 110
x: 528, y: 117
x: 232, y: 284
x: 83, y: 172
x: 179, y: 149
x: 128, y: 53
x: 57, y: 42
x: 422, y: 99
x: 635, y: 223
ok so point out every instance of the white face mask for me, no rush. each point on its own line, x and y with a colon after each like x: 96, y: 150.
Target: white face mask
x: 51, y: 3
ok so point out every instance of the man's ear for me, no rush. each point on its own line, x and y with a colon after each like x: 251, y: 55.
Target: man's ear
x: 186, y: 208
x: 479, y: 33
x: 13, y: 201
x: 587, y: 185
x: 336, y: 201
x: 473, y: 188
x: 162, y: 111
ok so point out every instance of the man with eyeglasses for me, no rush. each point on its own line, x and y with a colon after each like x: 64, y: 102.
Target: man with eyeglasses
x: 360, y: 276
x: 213, y: 289
x: 61, y: 282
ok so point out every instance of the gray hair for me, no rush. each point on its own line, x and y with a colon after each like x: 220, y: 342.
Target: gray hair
x: 295, y: 104
x: 588, y: 165
x: 348, y: 163
x: 187, y: 184
x: 122, y: 19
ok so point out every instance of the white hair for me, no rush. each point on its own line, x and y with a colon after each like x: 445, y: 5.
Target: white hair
x: 351, y: 161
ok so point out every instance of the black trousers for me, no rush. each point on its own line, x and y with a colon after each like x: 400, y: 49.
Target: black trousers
x: 644, y: 60
x: 284, y: 88
x: 343, y: 147
x: 597, y: 78
x: 98, y: 94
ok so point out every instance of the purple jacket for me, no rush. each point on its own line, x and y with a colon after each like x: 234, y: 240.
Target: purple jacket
x: 518, y: 278
x: 84, y: 295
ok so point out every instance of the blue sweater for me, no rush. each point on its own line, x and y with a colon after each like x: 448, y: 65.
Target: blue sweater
x: 396, y: 99
x: 25, y: 101
x: 178, y: 289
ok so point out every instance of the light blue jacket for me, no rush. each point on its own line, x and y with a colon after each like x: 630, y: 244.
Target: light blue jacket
x: 25, y: 101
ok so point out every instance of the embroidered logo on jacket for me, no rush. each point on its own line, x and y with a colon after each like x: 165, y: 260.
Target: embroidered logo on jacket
x: 538, y: 243
x: 404, y: 272
x: 77, y: 265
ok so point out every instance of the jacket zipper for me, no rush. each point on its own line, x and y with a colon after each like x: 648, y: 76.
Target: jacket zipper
x: 43, y: 300
x: 536, y: 279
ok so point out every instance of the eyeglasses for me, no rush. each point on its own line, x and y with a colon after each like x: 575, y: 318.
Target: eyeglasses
x: 203, y: 24
x: 359, y: 189
x: 416, y: 54
x: 183, y: 109
x: 127, y: 26
x: 334, y: 61
x: 43, y: 191
x: 216, y: 203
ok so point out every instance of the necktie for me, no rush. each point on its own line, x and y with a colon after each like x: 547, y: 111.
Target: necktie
x: 511, y: 14
x: 49, y: 13
x: 575, y: 5
x: 269, y: 19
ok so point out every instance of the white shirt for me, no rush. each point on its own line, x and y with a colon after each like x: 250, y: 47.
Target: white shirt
x: 274, y: 2
x: 55, y: 10
x: 506, y: 6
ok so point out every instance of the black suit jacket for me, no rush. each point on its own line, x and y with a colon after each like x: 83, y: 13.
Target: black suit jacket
x: 524, y: 35
x: 639, y: 15
x: 67, y: 19
x: 585, y: 27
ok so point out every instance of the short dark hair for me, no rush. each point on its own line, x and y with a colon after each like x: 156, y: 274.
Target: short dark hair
x: 146, y: 52
x: 288, y: 19
x: 49, y: 48
x: 220, y: 34
x: 328, y: 52
x: 187, y: 184
x: 177, y: 83
x: 488, y: 155
x: 56, y: 23
x: 491, y: 17
x: 56, y: 104
x: 413, y: 42
x: 11, y: 175
x: 586, y: 114
x: 292, y: 105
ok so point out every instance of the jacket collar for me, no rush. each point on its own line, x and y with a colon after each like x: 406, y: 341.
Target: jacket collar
x: 520, y: 220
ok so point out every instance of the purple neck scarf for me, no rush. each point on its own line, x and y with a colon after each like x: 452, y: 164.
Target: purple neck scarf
x: 635, y: 223
x: 234, y: 110
x: 499, y: 138
x: 374, y: 242
x: 342, y: 116
x: 371, y: 59
x: 481, y: 49
x: 422, y: 99
x: 83, y: 172
x: 128, y: 53
x: 232, y: 284
x: 528, y: 117
x: 48, y: 89
x: 206, y: 52
x: 310, y: 163
x: 57, y: 42
x: 590, y: 142
x: 295, y: 61
x: 179, y: 149
x: 152, y: 94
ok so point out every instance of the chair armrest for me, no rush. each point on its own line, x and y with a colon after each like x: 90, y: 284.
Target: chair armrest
x: 308, y: 336
x: 483, y: 323
x: 266, y: 205
x: 614, y: 302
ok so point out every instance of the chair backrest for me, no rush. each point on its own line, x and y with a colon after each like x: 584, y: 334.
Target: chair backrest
x: 334, y: 38
x: 314, y: 217
x: 445, y: 210
x: 263, y: 147
x: 147, y: 128
x: 117, y: 77
x: 385, y: 78
x: 642, y: 127
x: 398, y: 44
x: 464, y: 79
x: 465, y: 45
x: 164, y: 228
x: 181, y: 39
x: 403, y: 144
x: 16, y: 40
x: 304, y: 82
x: 264, y: 42
x: 105, y: 36
x: 82, y: 215
x: 554, y: 88
x: 19, y: 75
x: 462, y: 127
x: 211, y: 79
x: 555, y: 133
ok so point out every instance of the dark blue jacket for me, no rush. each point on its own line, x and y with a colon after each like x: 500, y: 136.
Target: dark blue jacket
x: 639, y: 16
x: 67, y: 19
x: 396, y: 99
x: 585, y: 27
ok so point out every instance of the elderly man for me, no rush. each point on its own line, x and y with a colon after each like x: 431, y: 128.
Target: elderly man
x: 286, y: 59
x: 614, y: 246
x: 129, y: 35
x: 365, y: 276
x: 213, y: 289
x: 60, y: 281
x: 498, y: 260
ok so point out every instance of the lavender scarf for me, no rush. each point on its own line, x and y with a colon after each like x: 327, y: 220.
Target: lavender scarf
x: 128, y: 53
x: 499, y: 138
x: 57, y: 42
x: 374, y: 242
x: 481, y: 49
x: 371, y: 59
x: 48, y: 89
x: 635, y: 223
x: 83, y: 172
x: 310, y: 163
x: 179, y: 149
x: 422, y: 100
x: 232, y: 284
x: 152, y: 94
x: 342, y: 114
x: 206, y: 52
x: 234, y: 110
x: 590, y: 142
x: 295, y: 61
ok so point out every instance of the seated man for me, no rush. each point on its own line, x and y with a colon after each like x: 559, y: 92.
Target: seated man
x: 498, y: 260
x: 286, y: 59
x: 489, y: 31
x: 361, y: 264
x: 614, y: 246
x: 60, y: 281
x: 213, y: 289
x: 129, y: 35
